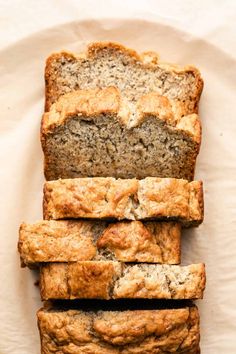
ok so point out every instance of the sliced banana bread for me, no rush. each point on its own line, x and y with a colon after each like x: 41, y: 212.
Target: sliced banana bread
x: 132, y: 199
x: 116, y: 280
x: 111, y: 64
x: 127, y: 332
x: 72, y: 240
x: 97, y: 133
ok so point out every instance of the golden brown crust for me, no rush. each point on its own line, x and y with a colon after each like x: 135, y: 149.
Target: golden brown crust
x: 127, y: 332
x: 50, y: 74
x: 67, y: 241
x: 146, y: 60
x: 196, y: 194
x: 73, y: 130
x: 191, y: 125
x: 154, y: 242
x: 56, y: 241
x: 54, y: 281
x: 89, y: 198
x: 92, y: 279
x: 152, y: 104
x: 150, y: 198
x: 115, y: 280
x: 91, y: 103
x: 81, y: 102
x: 161, y: 282
x: 85, y: 280
x: 164, y: 94
x: 155, y: 194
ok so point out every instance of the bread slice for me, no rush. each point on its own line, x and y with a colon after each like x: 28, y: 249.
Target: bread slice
x: 112, y: 332
x: 110, y: 64
x: 73, y: 240
x: 150, y: 198
x: 97, y: 133
x: 116, y: 280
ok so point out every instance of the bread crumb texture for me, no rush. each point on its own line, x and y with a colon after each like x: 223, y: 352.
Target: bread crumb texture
x: 110, y: 64
x: 119, y: 106
x: 95, y: 132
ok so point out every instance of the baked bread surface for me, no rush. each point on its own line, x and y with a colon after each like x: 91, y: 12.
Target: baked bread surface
x: 131, y: 199
x: 111, y: 105
x: 93, y: 133
x: 127, y: 332
x: 116, y: 280
x: 83, y: 240
x: 111, y: 64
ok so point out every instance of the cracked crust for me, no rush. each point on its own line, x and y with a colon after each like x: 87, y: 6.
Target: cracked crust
x: 128, y: 332
x: 156, y: 139
x: 68, y: 240
x: 150, y: 198
x: 115, y: 280
x: 104, y: 63
x: 127, y: 106
x: 91, y: 103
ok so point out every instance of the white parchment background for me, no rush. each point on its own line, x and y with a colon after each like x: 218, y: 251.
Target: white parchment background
x: 197, y: 32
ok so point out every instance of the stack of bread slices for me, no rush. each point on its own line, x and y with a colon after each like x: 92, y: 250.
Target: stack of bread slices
x: 120, y: 137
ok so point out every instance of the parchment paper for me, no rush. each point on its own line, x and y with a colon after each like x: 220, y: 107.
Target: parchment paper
x: 22, y: 99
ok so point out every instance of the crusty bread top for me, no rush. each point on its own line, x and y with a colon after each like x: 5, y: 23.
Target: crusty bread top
x: 132, y: 199
x: 115, y: 332
x: 148, y: 59
x: 91, y: 103
x: 117, y: 280
x: 151, y: 74
x: 82, y: 240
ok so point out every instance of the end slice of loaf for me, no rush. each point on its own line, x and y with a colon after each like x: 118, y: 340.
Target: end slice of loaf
x: 109, y: 198
x: 113, y: 332
x: 72, y: 240
x: 116, y: 280
x: 110, y: 64
x: 97, y: 133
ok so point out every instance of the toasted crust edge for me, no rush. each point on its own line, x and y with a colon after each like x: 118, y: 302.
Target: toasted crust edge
x: 93, y: 102
x: 90, y: 52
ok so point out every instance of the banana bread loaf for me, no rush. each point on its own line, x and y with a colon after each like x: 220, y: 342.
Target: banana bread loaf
x: 116, y: 280
x: 97, y: 133
x: 81, y: 240
x: 110, y: 64
x: 150, y: 198
x: 126, y: 332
